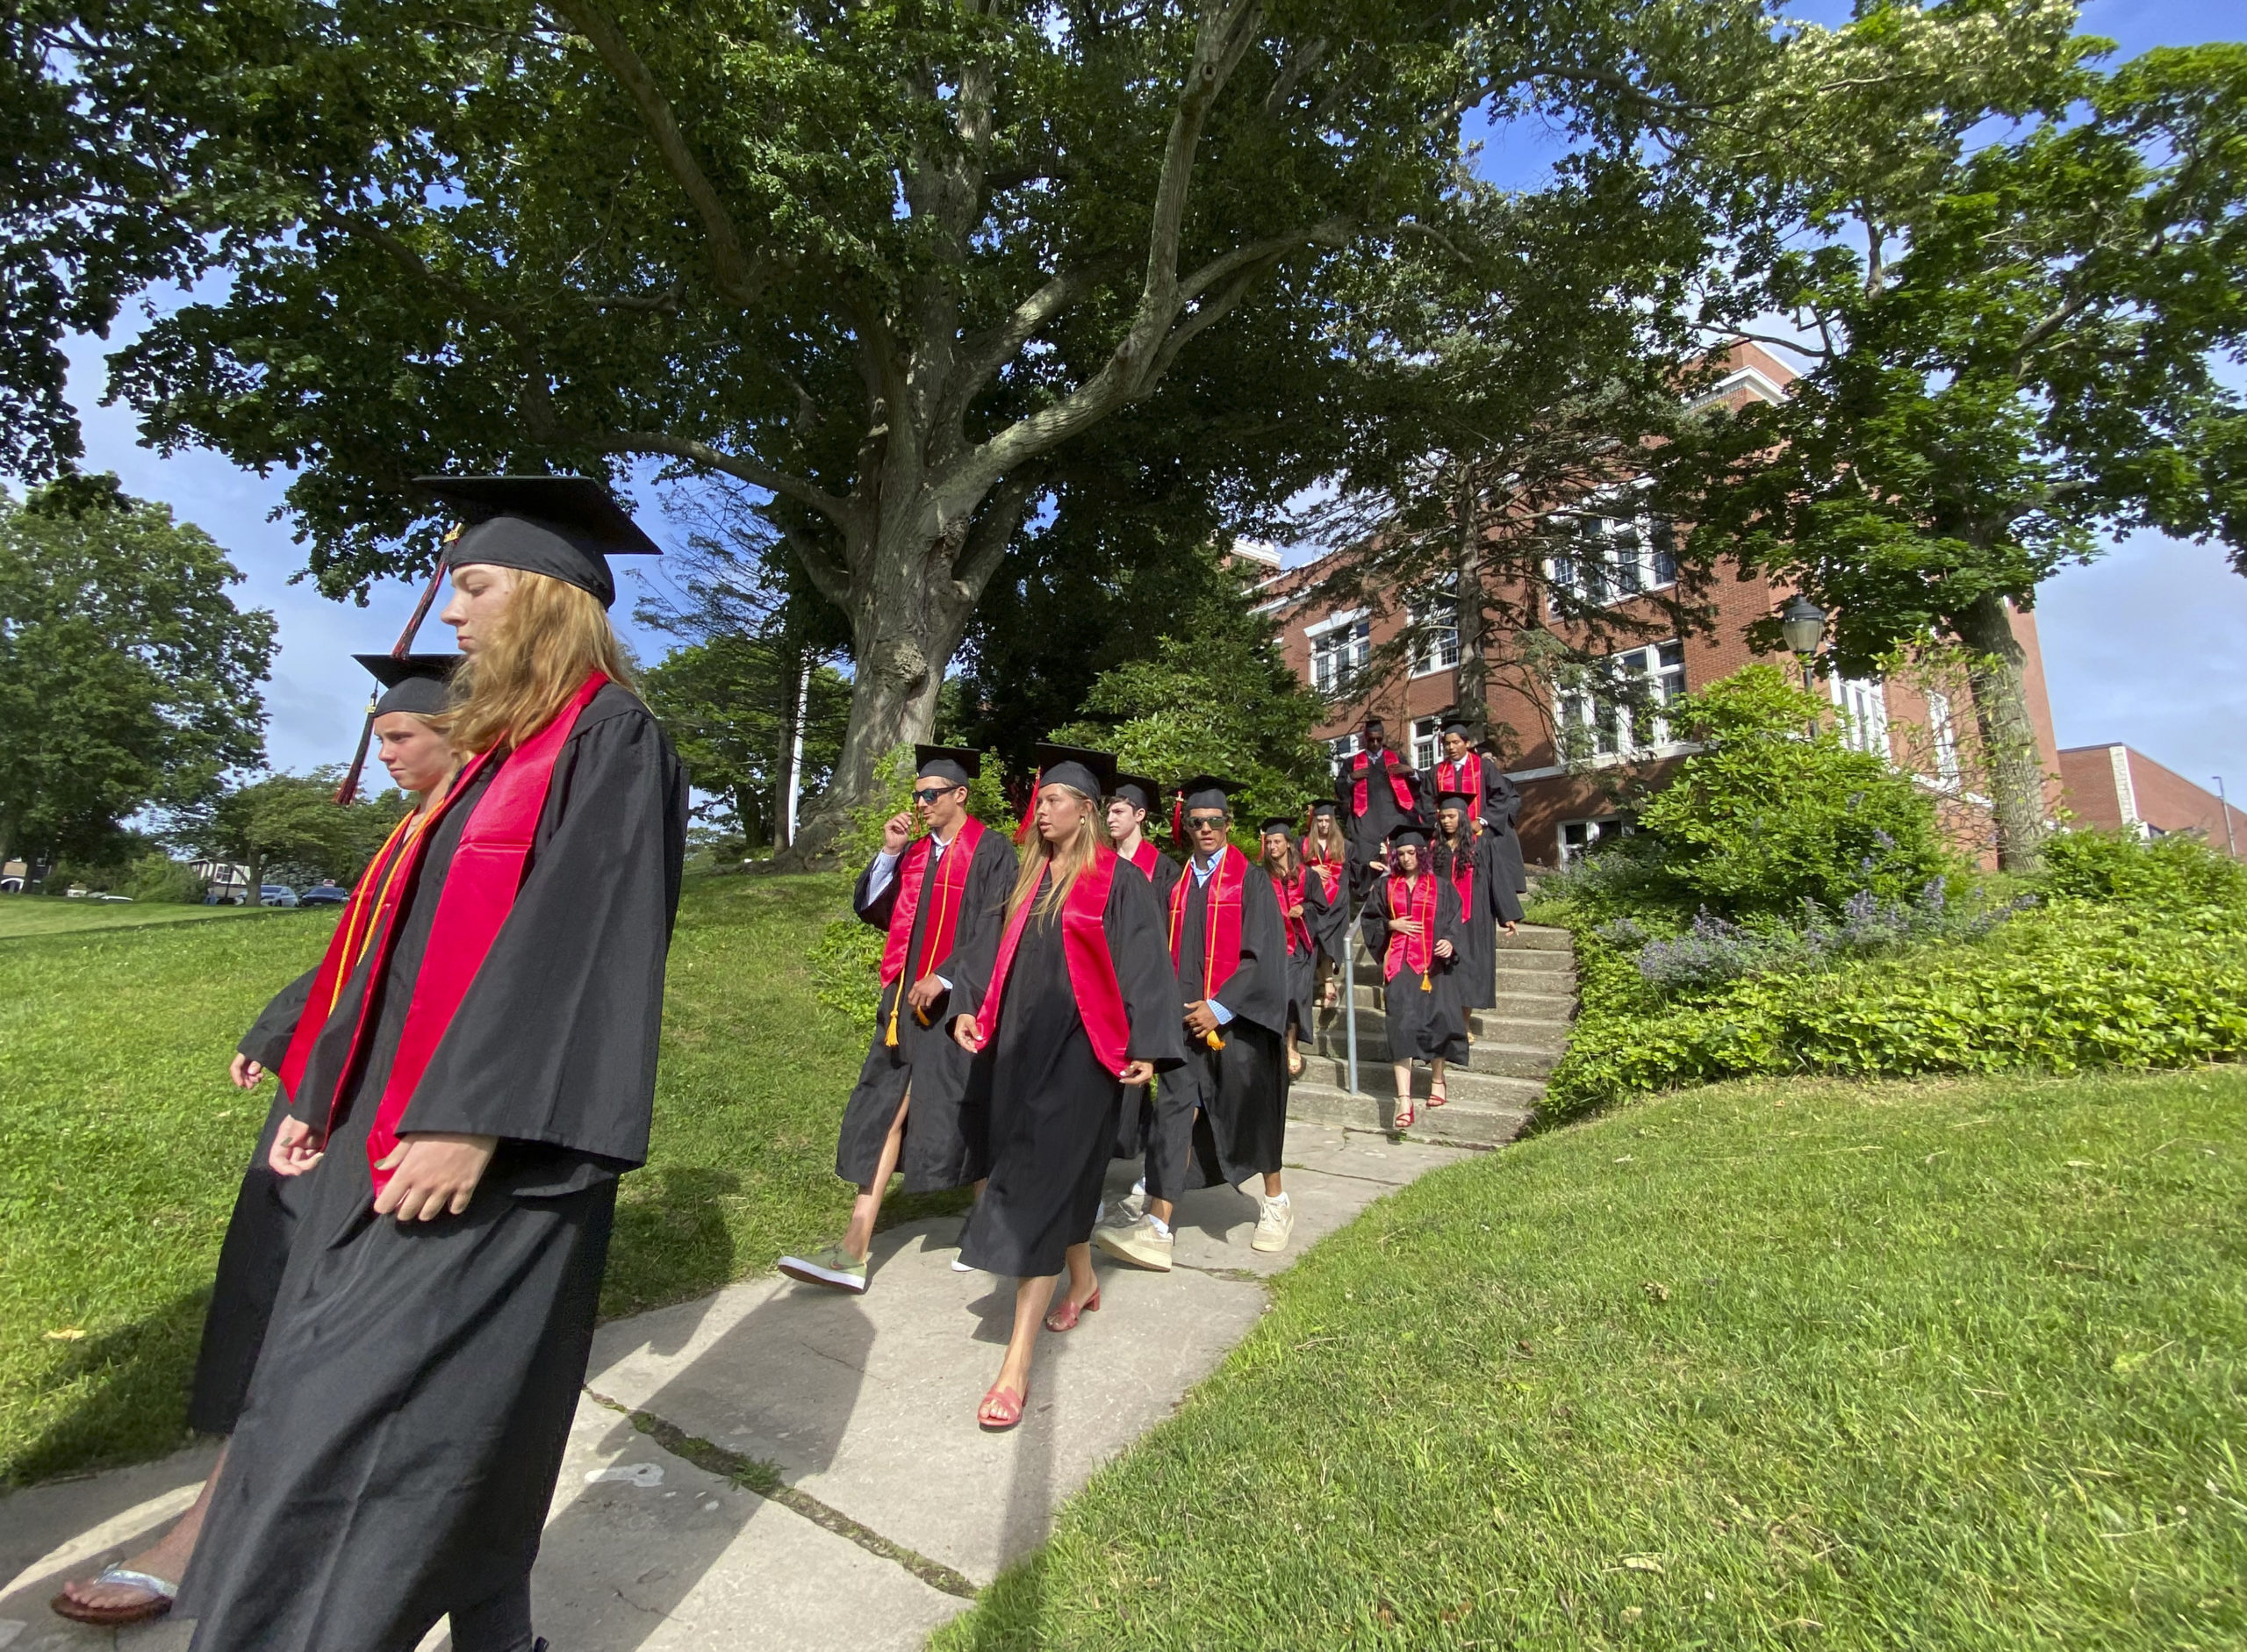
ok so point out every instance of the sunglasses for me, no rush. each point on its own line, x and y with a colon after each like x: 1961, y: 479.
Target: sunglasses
x: 930, y: 794
x: 1206, y: 822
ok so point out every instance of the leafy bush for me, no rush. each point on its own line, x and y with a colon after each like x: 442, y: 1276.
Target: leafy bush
x: 2163, y: 874
x: 2078, y: 984
x: 1768, y: 817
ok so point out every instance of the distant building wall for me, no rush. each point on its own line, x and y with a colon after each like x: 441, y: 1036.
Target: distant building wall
x: 2117, y: 789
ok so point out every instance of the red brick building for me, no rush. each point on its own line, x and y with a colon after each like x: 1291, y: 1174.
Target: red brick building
x: 1579, y: 756
x: 2117, y: 789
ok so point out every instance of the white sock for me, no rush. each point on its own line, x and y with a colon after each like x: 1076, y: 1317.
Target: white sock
x: 1278, y: 1198
x: 1162, y: 1228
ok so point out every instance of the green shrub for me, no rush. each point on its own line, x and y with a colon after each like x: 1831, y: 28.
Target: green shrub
x: 156, y: 876
x: 2074, y: 985
x: 1766, y: 816
x: 2160, y: 875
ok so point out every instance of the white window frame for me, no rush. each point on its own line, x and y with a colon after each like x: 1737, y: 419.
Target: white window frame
x: 1626, y: 570
x: 1436, y: 636
x: 1615, y: 737
x: 1343, y: 747
x: 1356, y: 628
x: 1427, y: 742
x: 1597, y: 829
x: 1942, y: 729
x: 1861, y: 703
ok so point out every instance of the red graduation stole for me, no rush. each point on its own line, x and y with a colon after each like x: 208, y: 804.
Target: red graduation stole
x: 479, y: 892
x: 1091, y: 970
x: 1144, y: 858
x: 1221, y: 930
x: 1330, y: 872
x: 1397, y: 784
x: 1414, y: 899
x: 1289, y: 890
x: 943, y: 918
x: 1463, y: 871
x: 1464, y: 777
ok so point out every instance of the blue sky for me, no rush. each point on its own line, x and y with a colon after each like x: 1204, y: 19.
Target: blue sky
x: 2145, y: 646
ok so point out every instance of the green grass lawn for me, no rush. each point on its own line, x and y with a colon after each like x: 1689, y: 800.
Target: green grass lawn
x: 23, y: 914
x: 1812, y: 1364
x: 121, y: 1143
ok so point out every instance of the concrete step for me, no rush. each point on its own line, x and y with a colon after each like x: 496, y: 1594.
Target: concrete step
x: 1511, y: 1006
x: 1538, y: 1033
x: 1379, y: 1078
x: 1499, y: 1054
x: 1462, y: 1122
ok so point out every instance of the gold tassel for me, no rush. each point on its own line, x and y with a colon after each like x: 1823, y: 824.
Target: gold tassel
x: 1423, y: 982
x: 1212, y: 1040
x: 890, y: 1039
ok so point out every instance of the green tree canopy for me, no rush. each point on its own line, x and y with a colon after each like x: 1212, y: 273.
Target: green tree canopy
x: 886, y: 263
x: 2017, y: 348
x: 289, y: 826
x: 128, y: 678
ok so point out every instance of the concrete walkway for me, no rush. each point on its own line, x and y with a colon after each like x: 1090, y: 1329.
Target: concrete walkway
x: 885, y: 1507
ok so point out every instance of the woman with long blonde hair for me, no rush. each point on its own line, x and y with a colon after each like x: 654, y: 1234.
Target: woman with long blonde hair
x: 475, y: 1068
x: 1078, y: 1001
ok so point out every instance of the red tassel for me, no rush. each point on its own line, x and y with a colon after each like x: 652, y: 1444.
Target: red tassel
x: 1030, y: 811
x: 1178, y: 819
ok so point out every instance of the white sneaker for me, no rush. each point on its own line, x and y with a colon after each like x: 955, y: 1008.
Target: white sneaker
x: 1274, y: 1224
x: 1126, y: 1211
x: 1142, y: 1243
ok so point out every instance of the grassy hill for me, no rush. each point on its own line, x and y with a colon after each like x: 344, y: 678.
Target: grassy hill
x: 121, y: 1143
x: 22, y: 915
x: 1956, y: 1364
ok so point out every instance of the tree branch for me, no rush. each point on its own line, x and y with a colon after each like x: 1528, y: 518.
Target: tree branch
x: 828, y: 575
x: 805, y: 493
x: 739, y: 278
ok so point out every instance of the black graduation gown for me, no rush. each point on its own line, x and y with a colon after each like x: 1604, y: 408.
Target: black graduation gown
x: 1489, y: 904
x: 1136, y: 1115
x: 1332, y: 932
x: 1501, y: 813
x: 410, y: 1407
x: 1422, y: 1023
x: 1367, y: 832
x: 1224, y: 1117
x: 257, y: 1246
x: 1303, y: 957
x: 1047, y: 1105
x: 937, y: 1153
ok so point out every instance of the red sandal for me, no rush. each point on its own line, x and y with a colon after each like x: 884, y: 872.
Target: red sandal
x: 1065, y: 1318
x: 1404, y: 1119
x: 1436, y: 1096
x: 1000, y: 1410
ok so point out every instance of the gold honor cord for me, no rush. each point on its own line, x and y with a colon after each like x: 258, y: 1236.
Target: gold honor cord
x: 943, y: 896
x: 355, y: 943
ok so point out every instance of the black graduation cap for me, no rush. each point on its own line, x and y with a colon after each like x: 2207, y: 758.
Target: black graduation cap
x: 1091, y: 773
x: 1323, y: 806
x: 414, y: 682
x: 1138, y: 791
x: 1458, y: 800
x: 959, y: 765
x: 564, y: 526
x: 1206, y: 791
x: 1456, y: 722
x: 1278, y: 823
x: 1408, y: 837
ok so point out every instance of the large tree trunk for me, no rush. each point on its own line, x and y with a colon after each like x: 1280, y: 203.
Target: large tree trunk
x: 1996, y: 672
x: 1473, y: 680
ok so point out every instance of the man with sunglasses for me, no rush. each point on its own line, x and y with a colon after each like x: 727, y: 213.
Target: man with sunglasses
x: 1222, y: 1116
x: 1378, y: 793
x: 939, y: 897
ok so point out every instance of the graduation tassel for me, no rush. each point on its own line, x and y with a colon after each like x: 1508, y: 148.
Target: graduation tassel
x: 1030, y: 810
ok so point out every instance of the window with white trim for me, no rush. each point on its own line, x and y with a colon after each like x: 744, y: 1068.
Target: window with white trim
x: 1340, y: 651
x: 1577, y: 836
x: 1427, y: 742
x: 1610, y: 556
x: 1435, y: 635
x: 1616, y: 710
x: 1343, y: 747
x: 1865, y: 713
x: 1944, y: 733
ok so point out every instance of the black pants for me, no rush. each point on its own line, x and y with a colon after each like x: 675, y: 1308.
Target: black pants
x: 498, y: 1623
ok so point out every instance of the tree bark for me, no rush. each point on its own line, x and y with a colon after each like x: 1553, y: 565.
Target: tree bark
x: 1996, y: 672
x: 1472, y: 692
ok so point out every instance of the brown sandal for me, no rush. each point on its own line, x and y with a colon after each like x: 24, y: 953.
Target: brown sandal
x: 135, y: 1612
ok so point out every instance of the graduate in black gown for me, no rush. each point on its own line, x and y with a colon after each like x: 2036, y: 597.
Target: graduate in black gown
x: 1326, y: 857
x: 255, y: 1249
x: 1078, y: 1001
x: 1410, y: 924
x: 1469, y: 860
x: 485, y: 1073
x: 1223, y: 1117
x: 1135, y: 799
x: 1377, y: 792
x: 1303, y: 914
x: 1494, y: 801
x: 936, y: 895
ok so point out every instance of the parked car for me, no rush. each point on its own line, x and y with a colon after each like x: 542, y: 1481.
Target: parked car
x: 275, y: 895
x: 323, y: 894
x: 11, y: 886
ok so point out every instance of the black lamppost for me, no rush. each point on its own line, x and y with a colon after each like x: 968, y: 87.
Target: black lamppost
x: 1803, y: 625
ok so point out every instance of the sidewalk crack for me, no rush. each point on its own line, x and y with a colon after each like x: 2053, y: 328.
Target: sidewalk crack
x: 753, y: 1474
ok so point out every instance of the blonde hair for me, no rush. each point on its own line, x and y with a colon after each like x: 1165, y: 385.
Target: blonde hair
x: 550, y: 638
x: 1069, y: 861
